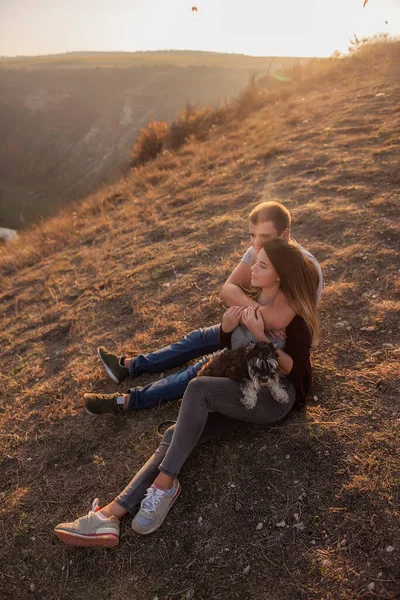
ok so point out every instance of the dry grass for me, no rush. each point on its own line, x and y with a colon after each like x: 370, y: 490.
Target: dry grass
x: 150, y: 142
x: 141, y: 263
x: 196, y: 123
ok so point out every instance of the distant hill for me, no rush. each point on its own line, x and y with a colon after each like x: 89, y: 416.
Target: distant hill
x: 68, y: 122
x: 183, y: 58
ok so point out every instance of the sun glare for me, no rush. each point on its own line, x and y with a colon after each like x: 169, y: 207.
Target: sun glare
x: 256, y: 27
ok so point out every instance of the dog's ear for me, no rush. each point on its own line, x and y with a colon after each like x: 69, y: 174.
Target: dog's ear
x: 266, y: 348
x: 260, y: 346
x: 249, y: 348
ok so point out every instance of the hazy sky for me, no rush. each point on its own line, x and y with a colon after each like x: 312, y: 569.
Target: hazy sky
x: 257, y: 27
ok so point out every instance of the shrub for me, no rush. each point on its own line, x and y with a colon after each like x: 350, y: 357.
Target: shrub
x: 374, y: 45
x: 251, y: 98
x: 149, y: 143
x: 356, y: 43
x: 192, y: 122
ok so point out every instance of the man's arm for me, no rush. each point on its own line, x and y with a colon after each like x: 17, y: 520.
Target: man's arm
x: 275, y: 317
x: 231, y: 293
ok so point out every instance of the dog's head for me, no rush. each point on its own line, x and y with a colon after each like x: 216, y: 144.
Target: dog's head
x: 262, y: 359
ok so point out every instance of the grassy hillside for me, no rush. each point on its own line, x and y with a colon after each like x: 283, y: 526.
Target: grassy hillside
x: 141, y: 263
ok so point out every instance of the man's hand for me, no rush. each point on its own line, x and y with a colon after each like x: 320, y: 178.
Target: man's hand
x: 231, y: 318
x: 254, y: 322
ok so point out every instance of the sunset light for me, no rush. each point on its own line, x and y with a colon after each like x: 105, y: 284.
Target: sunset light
x: 199, y: 292
x: 255, y: 27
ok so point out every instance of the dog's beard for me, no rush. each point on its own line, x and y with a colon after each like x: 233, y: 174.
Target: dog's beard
x: 252, y: 367
x: 265, y: 372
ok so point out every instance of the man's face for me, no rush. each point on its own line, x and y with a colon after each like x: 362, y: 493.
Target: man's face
x: 264, y: 232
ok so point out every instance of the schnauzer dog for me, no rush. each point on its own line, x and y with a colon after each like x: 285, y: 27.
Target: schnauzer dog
x: 251, y: 367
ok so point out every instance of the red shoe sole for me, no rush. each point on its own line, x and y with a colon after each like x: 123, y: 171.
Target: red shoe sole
x: 101, y: 541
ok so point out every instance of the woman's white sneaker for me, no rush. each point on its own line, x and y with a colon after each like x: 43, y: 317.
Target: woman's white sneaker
x: 154, y: 508
x: 93, y: 530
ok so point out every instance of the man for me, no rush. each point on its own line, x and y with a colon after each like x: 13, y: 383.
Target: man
x: 268, y: 220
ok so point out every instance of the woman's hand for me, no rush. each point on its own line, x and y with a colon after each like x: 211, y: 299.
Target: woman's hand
x: 279, y: 333
x: 254, y: 322
x: 231, y: 318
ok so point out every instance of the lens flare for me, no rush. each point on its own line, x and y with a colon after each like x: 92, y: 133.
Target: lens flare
x: 281, y: 77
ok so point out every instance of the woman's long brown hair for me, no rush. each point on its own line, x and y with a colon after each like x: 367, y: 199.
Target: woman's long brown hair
x: 298, y: 281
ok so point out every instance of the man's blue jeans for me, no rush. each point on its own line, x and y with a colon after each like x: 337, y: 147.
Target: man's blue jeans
x: 196, y: 344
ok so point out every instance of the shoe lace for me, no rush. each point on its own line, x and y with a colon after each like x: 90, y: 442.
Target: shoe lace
x: 95, y: 505
x: 151, y: 500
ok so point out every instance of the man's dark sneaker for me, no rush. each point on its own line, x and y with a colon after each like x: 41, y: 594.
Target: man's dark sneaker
x: 102, y: 404
x: 112, y: 365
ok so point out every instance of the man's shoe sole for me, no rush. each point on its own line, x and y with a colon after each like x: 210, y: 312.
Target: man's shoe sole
x: 101, y: 414
x: 107, y: 368
x: 174, y: 499
x: 110, y: 540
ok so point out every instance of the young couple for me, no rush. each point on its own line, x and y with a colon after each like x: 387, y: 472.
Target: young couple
x: 288, y: 281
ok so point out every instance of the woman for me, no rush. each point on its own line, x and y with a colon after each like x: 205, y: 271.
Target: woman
x: 211, y: 405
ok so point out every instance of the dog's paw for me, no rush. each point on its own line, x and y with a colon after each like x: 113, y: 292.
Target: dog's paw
x: 249, y: 394
x: 278, y: 393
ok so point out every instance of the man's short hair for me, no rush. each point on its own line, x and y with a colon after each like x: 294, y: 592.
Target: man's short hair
x: 271, y: 211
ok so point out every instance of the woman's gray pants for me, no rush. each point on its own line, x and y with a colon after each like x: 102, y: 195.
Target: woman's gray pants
x: 210, y: 407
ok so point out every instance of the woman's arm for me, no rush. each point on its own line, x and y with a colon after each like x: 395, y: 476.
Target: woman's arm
x: 285, y: 362
x: 298, y: 344
x: 230, y: 321
x: 275, y: 317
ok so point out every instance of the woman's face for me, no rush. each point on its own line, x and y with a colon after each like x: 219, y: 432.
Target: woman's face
x: 263, y: 274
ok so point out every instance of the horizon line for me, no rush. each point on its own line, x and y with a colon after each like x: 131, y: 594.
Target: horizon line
x: 164, y: 50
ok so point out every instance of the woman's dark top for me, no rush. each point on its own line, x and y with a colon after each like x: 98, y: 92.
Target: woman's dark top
x: 298, y: 346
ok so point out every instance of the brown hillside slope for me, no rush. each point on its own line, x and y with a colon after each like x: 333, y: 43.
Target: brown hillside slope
x: 142, y: 263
